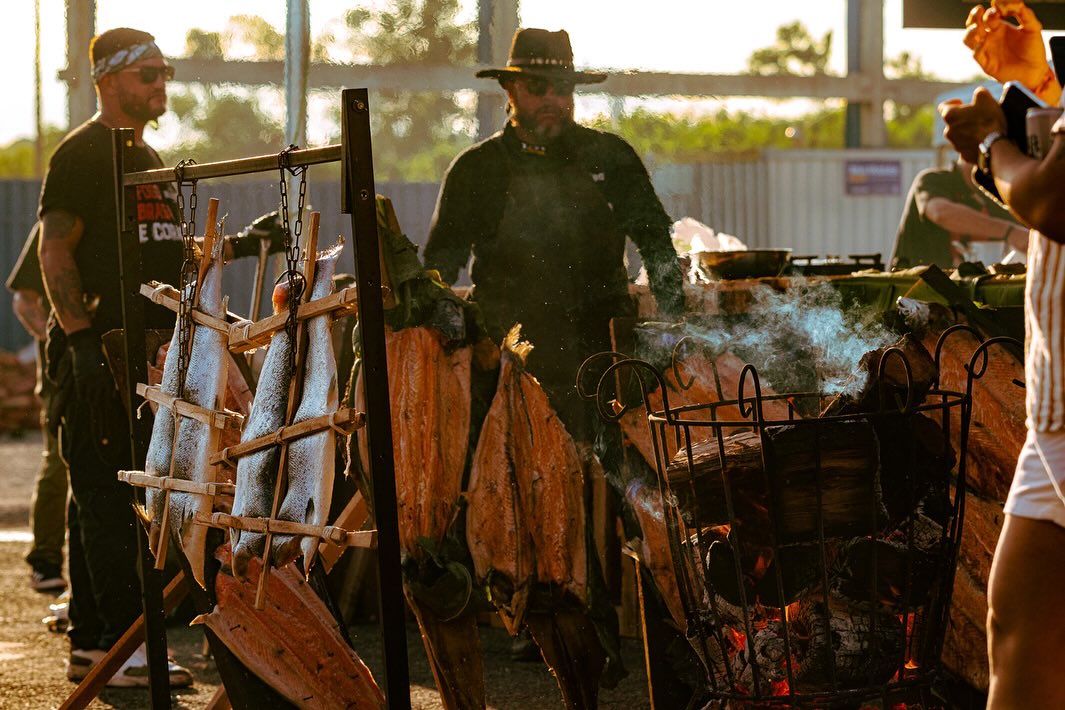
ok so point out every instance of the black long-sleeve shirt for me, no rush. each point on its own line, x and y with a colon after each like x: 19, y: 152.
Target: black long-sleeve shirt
x: 473, y: 195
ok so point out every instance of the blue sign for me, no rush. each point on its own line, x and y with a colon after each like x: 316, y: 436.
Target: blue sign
x: 873, y: 177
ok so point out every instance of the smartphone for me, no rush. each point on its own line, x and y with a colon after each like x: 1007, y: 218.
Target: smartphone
x: 1057, y: 56
x: 1015, y: 102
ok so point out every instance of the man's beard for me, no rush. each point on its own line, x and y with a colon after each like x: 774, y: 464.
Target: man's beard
x: 540, y: 125
x: 140, y: 109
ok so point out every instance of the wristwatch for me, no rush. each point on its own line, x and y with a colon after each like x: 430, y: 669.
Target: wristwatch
x: 983, y: 159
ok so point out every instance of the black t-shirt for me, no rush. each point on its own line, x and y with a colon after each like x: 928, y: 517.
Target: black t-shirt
x: 26, y: 274
x: 80, y: 181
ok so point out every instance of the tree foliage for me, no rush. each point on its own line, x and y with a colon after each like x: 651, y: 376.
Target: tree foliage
x: 220, y: 123
x: 416, y: 133
x: 18, y: 159
x: 794, y: 52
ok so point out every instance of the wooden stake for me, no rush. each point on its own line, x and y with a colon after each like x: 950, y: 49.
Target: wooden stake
x: 310, y: 253
x: 102, y: 672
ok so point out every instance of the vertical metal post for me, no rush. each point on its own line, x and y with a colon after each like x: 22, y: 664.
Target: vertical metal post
x: 38, y: 123
x: 853, y: 128
x: 865, y: 56
x: 81, y: 94
x: 497, y: 20
x: 136, y: 363
x: 297, y: 56
x: 358, y: 196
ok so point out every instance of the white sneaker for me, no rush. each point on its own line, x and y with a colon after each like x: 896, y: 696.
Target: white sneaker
x: 81, y: 661
x: 134, y: 672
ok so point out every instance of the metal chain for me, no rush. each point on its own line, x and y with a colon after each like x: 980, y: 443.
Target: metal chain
x: 291, y: 244
x: 188, y: 272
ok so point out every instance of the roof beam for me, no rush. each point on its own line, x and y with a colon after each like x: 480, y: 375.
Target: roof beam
x: 856, y: 88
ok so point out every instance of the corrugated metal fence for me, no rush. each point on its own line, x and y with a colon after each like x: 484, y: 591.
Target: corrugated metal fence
x: 815, y: 202
x: 811, y: 201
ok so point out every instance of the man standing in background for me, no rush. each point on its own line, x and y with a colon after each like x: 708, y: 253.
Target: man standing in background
x: 49, y: 502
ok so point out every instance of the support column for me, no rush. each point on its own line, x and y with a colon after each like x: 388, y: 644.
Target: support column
x: 81, y: 93
x: 297, y: 56
x: 865, y: 56
x: 497, y: 23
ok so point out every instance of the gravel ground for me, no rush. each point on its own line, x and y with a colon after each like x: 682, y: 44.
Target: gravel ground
x: 31, y: 657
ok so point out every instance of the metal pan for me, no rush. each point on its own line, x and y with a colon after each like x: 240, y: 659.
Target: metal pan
x: 748, y: 264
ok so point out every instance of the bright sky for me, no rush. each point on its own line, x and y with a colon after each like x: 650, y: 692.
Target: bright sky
x: 713, y: 36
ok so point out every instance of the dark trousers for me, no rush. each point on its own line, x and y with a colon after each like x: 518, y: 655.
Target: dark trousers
x: 48, y: 506
x: 104, y: 584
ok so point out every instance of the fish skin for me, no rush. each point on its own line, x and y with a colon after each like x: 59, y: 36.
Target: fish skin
x: 205, y: 383
x: 312, y: 459
x: 160, y: 448
x: 257, y: 472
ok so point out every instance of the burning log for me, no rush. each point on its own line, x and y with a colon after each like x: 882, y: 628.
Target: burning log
x: 915, y: 457
x: 863, y: 392
x: 843, y: 646
x: 768, y: 652
x: 823, y: 479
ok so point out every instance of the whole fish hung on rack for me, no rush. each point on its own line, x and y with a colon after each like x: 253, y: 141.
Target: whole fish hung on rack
x: 312, y: 459
x: 257, y: 472
x: 161, y: 447
x: 181, y: 446
x: 526, y: 520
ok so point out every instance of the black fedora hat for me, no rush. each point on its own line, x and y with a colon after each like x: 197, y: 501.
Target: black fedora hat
x: 543, y: 53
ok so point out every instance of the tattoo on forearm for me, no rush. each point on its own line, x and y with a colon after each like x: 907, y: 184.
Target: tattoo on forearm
x: 65, y: 292
x: 59, y: 225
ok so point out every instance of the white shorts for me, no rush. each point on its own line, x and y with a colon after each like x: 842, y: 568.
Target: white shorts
x: 1038, y: 490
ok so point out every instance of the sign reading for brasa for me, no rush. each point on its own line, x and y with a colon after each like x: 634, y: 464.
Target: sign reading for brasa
x: 951, y: 14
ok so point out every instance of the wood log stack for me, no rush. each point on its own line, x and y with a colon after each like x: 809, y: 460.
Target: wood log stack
x: 19, y: 407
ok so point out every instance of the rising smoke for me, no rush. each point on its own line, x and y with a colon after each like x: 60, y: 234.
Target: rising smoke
x: 801, y: 339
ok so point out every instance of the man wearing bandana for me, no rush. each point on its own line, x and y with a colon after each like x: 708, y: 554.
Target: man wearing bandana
x: 79, y: 262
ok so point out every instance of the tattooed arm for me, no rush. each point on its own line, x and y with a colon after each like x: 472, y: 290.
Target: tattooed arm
x: 60, y: 234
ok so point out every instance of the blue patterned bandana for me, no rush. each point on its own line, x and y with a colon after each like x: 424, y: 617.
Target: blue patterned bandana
x: 124, y: 58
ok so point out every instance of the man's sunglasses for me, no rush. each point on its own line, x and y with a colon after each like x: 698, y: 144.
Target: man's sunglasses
x: 538, y: 86
x: 149, y: 75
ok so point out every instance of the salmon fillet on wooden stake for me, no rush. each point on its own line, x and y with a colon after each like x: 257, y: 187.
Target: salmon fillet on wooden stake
x: 312, y: 459
x: 526, y: 518
x: 429, y: 390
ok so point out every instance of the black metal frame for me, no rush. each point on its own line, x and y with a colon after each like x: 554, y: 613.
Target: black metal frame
x: 359, y: 200
x: 718, y: 634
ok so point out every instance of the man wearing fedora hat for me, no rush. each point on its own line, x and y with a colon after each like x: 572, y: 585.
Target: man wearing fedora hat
x: 545, y: 206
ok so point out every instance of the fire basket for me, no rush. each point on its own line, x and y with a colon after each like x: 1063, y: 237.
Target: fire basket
x: 813, y: 537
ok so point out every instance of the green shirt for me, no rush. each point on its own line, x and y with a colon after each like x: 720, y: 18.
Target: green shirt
x: 921, y: 241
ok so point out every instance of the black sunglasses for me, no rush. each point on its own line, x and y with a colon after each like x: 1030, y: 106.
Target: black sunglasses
x: 538, y: 86
x: 149, y: 75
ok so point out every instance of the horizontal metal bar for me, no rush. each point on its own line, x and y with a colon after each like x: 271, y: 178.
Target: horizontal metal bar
x: 860, y: 87
x: 241, y: 166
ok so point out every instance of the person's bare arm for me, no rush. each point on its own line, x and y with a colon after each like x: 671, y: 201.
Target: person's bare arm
x: 60, y: 234
x: 30, y: 312
x: 980, y: 227
x: 1033, y: 189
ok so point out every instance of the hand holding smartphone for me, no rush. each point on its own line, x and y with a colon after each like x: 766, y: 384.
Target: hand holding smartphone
x: 1015, y: 101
